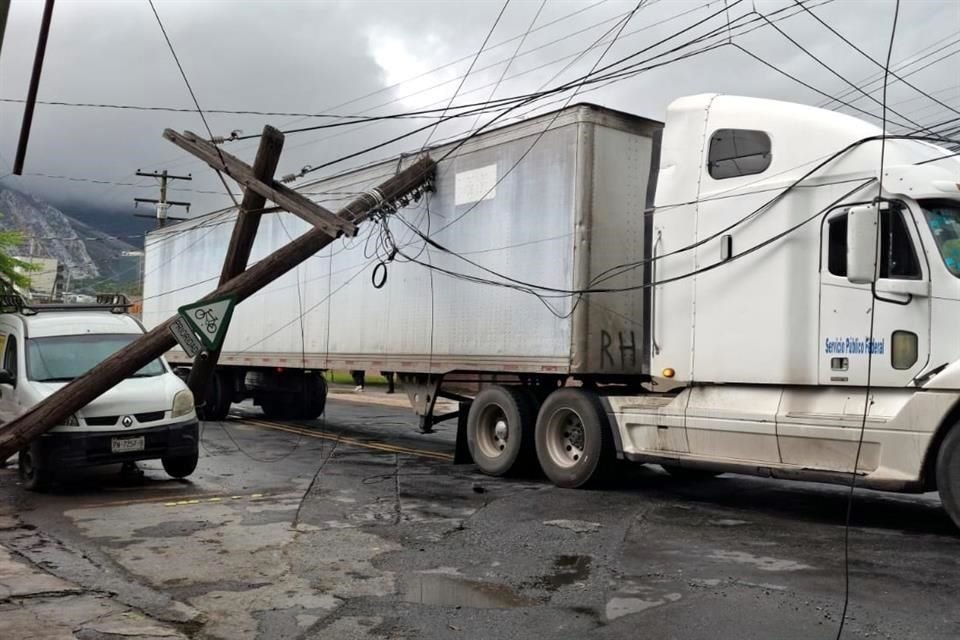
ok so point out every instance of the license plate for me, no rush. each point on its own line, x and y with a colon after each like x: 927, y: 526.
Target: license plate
x: 124, y: 445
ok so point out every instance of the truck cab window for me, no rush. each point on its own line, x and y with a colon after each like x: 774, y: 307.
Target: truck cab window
x: 738, y: 152
x: 898, y: 259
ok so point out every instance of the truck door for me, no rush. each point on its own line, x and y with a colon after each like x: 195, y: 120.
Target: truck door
x: 901, y: 331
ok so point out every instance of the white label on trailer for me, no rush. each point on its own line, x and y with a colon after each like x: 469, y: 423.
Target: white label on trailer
x: 475, y: 185
x: 185, y: 337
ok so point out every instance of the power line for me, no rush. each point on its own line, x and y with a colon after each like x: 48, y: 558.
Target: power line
x: 871, y: 58
x: 194, y: 97
x: 833, y: 71
x: 467, y: 74
x: 873, y: 316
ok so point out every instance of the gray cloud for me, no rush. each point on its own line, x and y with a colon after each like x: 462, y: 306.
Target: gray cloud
x: 309, y: 56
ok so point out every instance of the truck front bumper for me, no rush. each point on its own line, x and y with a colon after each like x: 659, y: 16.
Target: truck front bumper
x: 65, y: 449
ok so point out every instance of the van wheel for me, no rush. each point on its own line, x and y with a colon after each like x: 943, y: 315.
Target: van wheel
x: 500, y: 429
x: 180, y: 466
x: 34, y: 476
x: 948, y: 474
x: 574, y: 443
x: 687, y: 473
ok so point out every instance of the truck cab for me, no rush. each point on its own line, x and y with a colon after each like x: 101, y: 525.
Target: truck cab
x: 150, y: 415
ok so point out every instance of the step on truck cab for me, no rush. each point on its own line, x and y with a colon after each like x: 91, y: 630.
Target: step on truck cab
x: 150, y: 415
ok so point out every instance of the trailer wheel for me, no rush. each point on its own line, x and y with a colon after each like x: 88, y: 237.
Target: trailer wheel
x: 500, y: 429
x: 948, y: 474
x: 313, y: 397
x: 34, y: 474
x: 277, y: 406
x: 573, y: 438
x: 219, y: 397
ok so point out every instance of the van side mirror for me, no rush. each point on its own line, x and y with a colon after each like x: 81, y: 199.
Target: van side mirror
x: 6, y: 377
x: 863, y: 243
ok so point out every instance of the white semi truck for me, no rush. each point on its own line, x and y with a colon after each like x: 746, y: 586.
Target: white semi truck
x: 740, y: 289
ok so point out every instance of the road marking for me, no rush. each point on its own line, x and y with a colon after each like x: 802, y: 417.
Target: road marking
x: 186, y: 499
x: 324, y: 435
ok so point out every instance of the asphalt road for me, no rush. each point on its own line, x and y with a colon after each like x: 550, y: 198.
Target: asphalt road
x: 359, y: 527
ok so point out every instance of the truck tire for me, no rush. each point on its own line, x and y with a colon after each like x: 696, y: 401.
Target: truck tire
x: 948, y: 474
x: 313, y: 397
x: 574, y: 443
x: 277, y: 406
x: 500, y: 429
x: 216, y: 404
x: 32, y: 470
x: 180, y: 466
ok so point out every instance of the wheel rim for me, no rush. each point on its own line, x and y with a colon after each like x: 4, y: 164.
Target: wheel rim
x: 566, y: 438
x: 493, y: 431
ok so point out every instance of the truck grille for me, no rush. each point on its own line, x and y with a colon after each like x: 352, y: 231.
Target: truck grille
x: 153, y: 416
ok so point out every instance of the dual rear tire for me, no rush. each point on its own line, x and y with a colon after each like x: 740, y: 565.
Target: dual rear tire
x: 569, y: 435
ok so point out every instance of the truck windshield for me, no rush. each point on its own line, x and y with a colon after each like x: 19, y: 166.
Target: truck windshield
x: 944, y: 220
x: 63, y: 358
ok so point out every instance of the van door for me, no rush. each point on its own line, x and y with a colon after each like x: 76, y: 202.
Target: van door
x: 900, y: 299
x: 9, y: 361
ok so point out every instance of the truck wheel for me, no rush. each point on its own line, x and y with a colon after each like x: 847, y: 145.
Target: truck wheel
x: 687, y: 473
x: 219, y: 397
x: 313, y: 397
x: 180, y: 466
x: 277, y: 406
x: 574, y: 443
x: 33, y: 473
x: 948, y: 474
x: 500, y: 429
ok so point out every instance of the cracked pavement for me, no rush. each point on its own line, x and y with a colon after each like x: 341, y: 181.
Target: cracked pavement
x: 359, y: 527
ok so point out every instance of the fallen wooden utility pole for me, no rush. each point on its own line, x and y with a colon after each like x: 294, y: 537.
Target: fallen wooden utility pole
x: 54, y: 410
x: 241, y: 244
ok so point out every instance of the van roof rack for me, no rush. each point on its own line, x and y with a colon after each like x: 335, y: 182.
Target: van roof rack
x: 112, y: 302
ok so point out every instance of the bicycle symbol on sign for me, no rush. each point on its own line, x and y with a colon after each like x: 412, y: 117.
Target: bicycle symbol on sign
x: 207, y: 315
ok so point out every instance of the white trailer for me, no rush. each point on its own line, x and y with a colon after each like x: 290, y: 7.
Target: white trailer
x: 783, y: 309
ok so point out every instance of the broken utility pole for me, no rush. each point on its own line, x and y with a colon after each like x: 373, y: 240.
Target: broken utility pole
x: 162, y: 204
x: 238, y: 251
x: 52, y: 411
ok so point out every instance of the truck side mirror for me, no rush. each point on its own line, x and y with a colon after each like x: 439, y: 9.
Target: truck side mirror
x: 6, y: 377
x: 863, y: 243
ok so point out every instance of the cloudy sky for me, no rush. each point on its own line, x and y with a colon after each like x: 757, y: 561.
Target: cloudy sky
x: 369, y: 58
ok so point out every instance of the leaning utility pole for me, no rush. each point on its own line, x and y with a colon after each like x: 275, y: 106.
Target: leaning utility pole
x: 241, y: 243
x: 52, y: 411
x: 162, y: 204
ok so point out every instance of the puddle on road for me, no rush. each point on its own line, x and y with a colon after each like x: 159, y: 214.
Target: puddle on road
x: 567, y: 570
x: 446, y: 591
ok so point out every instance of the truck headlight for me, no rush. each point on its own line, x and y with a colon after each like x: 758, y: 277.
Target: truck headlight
x: 182, y: 404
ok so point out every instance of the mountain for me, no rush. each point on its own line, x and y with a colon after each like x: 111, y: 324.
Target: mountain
x: 87, y: 252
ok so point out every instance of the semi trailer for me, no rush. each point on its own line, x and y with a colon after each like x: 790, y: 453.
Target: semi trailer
x: 753, y: 286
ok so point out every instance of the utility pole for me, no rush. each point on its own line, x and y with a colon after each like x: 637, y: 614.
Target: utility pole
x: 241, y: 243
x: 56, y: 408
x: 162, y: 204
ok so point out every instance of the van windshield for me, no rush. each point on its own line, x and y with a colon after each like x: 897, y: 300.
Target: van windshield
x: 943, y: 216
x: 63, y: 358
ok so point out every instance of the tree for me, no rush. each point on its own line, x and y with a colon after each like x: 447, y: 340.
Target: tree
x: 13, y: 272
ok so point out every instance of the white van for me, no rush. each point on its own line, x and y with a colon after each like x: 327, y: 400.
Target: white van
x: 150, y: 415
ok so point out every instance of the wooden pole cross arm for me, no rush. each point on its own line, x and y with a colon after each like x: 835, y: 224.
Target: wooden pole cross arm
x: 63, y: 403
x: 283, y: 195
